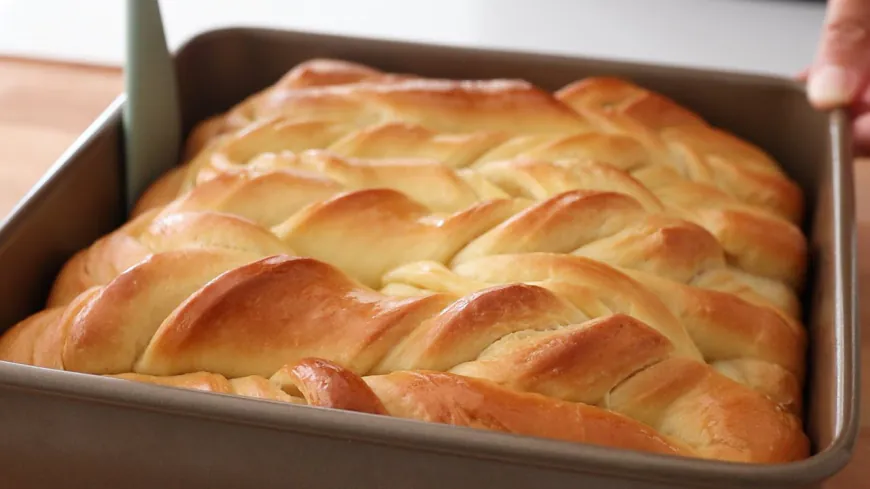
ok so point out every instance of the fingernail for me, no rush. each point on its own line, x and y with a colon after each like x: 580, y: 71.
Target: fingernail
x: 831, y: 86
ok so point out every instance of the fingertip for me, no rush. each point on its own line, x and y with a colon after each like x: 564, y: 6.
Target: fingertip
x: 831, y: 86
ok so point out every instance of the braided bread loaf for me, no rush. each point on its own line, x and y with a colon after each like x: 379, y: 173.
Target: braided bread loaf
x: 602, y: 255
x: 455, y: 399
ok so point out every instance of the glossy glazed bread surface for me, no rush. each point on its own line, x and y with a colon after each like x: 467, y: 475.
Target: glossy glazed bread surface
x: 597, y: 265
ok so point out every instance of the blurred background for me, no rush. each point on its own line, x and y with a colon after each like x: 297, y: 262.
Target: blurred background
x: 771, y: 36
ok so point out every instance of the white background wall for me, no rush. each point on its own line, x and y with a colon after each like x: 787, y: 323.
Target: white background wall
x: 766, y: 36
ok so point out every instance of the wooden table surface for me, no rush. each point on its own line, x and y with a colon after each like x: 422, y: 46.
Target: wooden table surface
x: 44, y: 106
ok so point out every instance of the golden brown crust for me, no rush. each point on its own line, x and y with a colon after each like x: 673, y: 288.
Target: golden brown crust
x: 707, y: 153
x: 436, y: 397
x: 713, y: 323
x: 565, y: 363
x: 73, y: 278
x: 237, y: 323
x: 201, y: 381
x: 688, y: 401
x: 240, y: 323
x: 462, y: 331
x: 756, y: 242
x: 392, y: 140
x: 250, y: 386
x: 167, y: 187
x: 305, y: 211
x: 413, y: 233
x: 456, y: 400
x: 742, y: 426
x: 326, y: 384
x: 244, y: 324
x: 324, y: 72
x: 117, y: 321
x: 722, y: 326
x: 18, y: 344
x: 367, y: 97
x: 473, y: 252
x: 778, y: 384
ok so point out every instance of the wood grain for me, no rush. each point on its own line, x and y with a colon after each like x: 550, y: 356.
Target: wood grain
x: 45, y: 106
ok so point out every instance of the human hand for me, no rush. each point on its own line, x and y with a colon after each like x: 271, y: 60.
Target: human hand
x: 840, y: 73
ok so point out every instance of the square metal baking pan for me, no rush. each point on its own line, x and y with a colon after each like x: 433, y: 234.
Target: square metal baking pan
x: 63, y: 429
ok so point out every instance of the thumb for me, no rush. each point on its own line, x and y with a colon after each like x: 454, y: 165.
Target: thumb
x: 842, y: 62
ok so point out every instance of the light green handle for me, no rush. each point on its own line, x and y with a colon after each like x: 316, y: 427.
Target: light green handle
x: 151, y: 116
